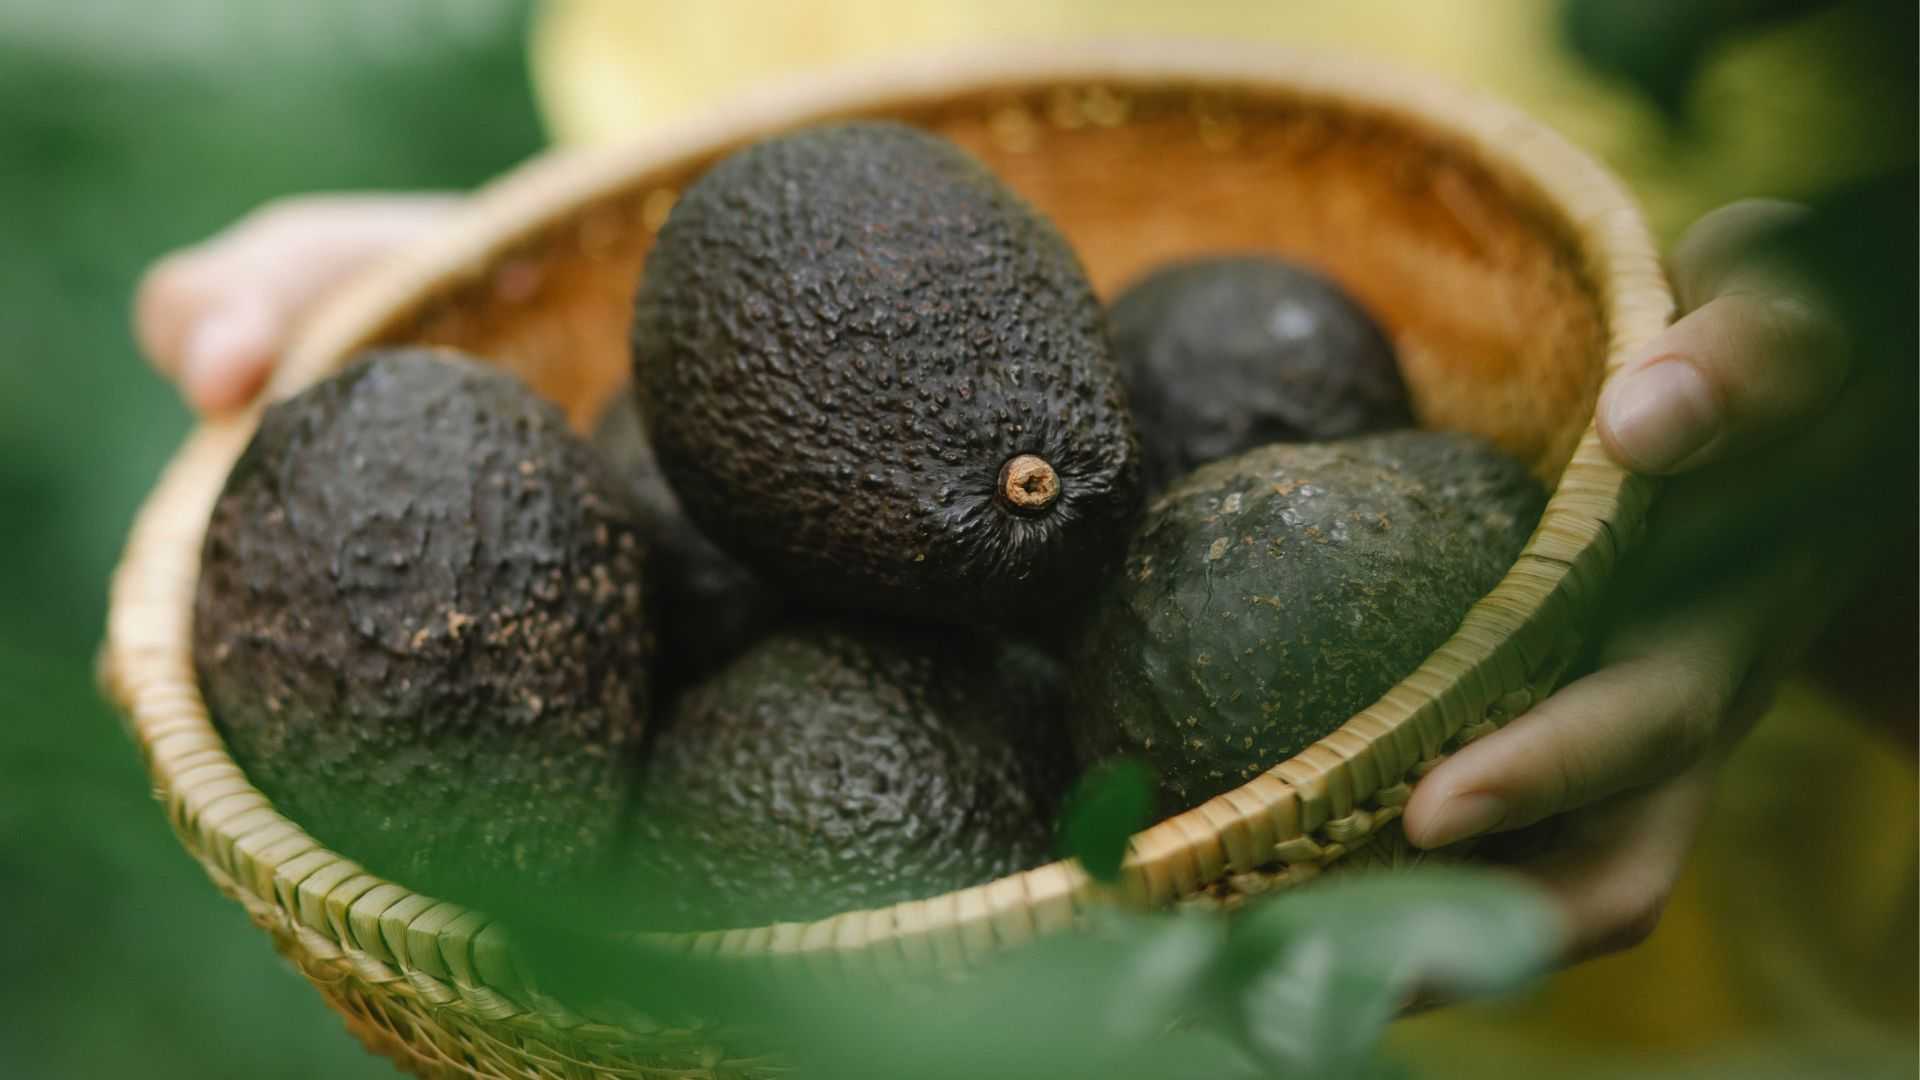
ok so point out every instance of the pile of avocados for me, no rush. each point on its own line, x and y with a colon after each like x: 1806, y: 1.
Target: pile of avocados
x: 894, y: 533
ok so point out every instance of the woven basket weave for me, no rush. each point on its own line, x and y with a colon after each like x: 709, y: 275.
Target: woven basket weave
x: 1511, y: 270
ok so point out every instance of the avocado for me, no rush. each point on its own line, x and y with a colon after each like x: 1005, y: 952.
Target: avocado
x: 419, y: 626
x: 881, y: 379
x: 709, y: 607
x: 836, y: 766
x: 1267, y: 598
x: 1227, y: 353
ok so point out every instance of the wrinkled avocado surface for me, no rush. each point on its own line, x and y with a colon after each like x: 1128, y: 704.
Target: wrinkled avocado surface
x: 1267, y: 598
x: 419, y: 626
x: 843, y: 336
x: 1227, y: 353
x: 708, y: 605
x: 837, y: 766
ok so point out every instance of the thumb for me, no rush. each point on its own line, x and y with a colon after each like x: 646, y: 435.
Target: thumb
x: 1757, y: 358
x: 217, y: 315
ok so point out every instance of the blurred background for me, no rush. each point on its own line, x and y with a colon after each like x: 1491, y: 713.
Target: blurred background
x: 128, y: 127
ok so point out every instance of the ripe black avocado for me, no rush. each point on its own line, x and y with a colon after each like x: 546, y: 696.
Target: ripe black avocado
x: 881, y: 379
x: 837, y: 766
x: 1268, y: 597
x: 709, y: 607
x: 420, y: 627
x: 1226, y: 353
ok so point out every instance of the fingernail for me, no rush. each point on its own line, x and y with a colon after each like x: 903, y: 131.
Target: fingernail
x: 1463, y: 816
x: 1659, y: 414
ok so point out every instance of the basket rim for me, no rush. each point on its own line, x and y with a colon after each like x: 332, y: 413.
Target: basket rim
x: 1298, y: 816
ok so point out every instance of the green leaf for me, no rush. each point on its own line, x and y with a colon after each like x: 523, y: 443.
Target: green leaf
x: 1459, y: 930
x: 1317, y: 974
x: 1301, y: 984
x: 1111, y: 802
x: 1310, y: 1011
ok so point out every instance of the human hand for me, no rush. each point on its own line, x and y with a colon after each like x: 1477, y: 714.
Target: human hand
x: 215, y: 316
x: 1623, y: 759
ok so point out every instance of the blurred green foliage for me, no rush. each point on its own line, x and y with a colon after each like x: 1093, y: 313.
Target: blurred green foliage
x: 1110, y: 803
x: 128, y: 127
x: 1663, y: 49
x: 1829, y: 488
x: 1298, y: 984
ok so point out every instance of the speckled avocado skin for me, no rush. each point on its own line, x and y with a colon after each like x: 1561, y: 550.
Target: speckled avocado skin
x: 1268, y: 597
x: 836, y: 767
x: 841, y: 337
x: 708, y: 605
x: 419, y: 627
x: 1227, y: 353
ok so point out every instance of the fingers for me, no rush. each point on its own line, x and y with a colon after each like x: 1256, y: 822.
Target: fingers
x: 1666, y: 695
x: 1738, y: 371
x: 1624, y: 726
x: 216, y: 316
x: 231, y: 349
x: 202, y: 322
x: 1721, y: 242
x: 1611, y: 868
x: 1755, y: 357
x: 1614, y: 868
x: 164, y: 303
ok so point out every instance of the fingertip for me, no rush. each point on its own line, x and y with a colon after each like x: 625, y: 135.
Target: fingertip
x: 227, y: 391
x: 1657, y: 417
x: 1433, y: 810
x: 1455, y: 818
x: 227, y: 358
x: 166, y: 303
x: 1759, y: 354
x: 1427, y: 798
x: 1510, y: 779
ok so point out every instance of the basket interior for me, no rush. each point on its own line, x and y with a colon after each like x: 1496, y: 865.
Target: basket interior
x: 1499, y: 332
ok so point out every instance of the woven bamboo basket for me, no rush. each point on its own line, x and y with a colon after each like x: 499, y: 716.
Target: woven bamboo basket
x: 1512, y: 271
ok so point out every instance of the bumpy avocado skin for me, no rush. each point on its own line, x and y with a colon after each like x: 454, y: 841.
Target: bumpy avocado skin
x: 419, y: 626
x: 1224, y: 354
x: 836, y: 767
x: 708, y: 606
x: 1268, y: 597
x: 841, y: 337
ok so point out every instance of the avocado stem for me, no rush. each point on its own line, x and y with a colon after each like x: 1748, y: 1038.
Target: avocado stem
x: 1028, y: 484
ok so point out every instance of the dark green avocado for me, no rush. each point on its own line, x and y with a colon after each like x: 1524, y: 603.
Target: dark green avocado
x: 419, y: 626
x: 881, y: 379
x: 1224, y: 354
x: 709, y: 607
x: 836, y: 767
x: 1267, y: 598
